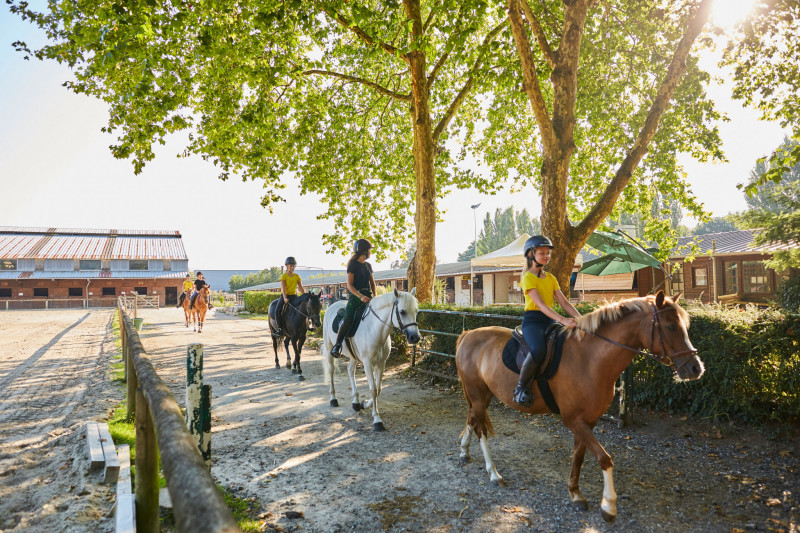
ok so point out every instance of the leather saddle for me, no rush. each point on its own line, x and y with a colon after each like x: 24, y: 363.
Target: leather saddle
x: 357, y: 318
x: 516, y: 349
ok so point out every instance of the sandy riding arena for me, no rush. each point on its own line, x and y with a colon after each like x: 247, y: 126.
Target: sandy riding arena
x: 278, y: 442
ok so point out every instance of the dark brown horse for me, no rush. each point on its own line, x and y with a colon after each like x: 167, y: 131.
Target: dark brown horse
x: 595, y: 353
x: 200, y: 308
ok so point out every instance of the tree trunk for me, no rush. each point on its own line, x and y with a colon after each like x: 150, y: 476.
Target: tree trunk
x: 424, y: 152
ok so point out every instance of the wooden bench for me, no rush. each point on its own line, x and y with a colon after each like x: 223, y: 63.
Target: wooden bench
x: 125, y: 507
x: 102, y: 454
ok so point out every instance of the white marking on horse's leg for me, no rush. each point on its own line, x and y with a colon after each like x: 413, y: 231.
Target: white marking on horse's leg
x: 493, y: 475
x: 466, y: 439
x: 576, y: 496
x: 609, y: 503
x: 369, y: 371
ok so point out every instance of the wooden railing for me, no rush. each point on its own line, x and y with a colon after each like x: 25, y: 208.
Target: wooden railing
x: 132, y: 301
x: 197, y: 504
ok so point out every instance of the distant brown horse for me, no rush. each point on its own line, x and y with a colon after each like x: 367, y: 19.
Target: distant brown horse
x: 199, y: 309
x: 187, y: 313
x: 595, y: 353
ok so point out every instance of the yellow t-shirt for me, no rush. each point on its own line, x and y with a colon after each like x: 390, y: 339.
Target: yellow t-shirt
x: 291, y: 283
x: 545, y: 287
x: 187, y: 285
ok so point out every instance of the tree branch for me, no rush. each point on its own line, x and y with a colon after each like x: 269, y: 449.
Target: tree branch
x: 462, y: 94
x: 540, y: 36
x: 361, y: 34
x: 380, y: 88
x: 530, y: 79
x: 670, y: 82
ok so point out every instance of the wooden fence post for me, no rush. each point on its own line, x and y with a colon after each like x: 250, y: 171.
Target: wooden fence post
x: 194, y: 393
x: 146, y: 468
x: 205, y: 409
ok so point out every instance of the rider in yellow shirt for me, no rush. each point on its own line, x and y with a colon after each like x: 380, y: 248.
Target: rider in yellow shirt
x: 188, y: 286
x: 540, y: 289
x: 290, y: 284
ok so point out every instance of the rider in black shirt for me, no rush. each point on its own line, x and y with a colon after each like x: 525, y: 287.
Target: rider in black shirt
x: 361, y: 285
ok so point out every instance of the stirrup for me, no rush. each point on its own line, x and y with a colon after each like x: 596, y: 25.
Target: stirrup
x: 523, y: 396
x: 336, y: 351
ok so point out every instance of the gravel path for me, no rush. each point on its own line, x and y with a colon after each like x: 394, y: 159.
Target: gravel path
x: 277, y: 441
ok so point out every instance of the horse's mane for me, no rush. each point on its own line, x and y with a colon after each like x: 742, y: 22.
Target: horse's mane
x: 303, y: 297
x: 611, y: 312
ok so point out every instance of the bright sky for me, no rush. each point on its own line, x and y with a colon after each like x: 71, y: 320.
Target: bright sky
x: 56, y: 170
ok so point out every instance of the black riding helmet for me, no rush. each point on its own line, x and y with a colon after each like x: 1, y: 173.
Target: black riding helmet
x: 537, y: 241
x: 362, y: 246
x: 290, y: 261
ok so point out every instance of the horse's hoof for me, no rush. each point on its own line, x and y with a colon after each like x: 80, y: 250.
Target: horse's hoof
x: 294, y: 371
x: 378, y: 426
x: 301, y: 377
x: 498, y: 482
x: 334, y: 403
x: 609, y: 518
x: 288, y: 366
x: 357, y: 407
x: 464, y: 459
x: 580, y: 505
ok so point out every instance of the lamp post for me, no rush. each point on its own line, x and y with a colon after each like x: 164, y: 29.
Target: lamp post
x: 475, y: 252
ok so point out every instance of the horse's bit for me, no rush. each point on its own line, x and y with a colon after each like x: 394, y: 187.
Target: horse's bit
x: 305, y: 315
x: 396, y: 311
x: 665, y: 359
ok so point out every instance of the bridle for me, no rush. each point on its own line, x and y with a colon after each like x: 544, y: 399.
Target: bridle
x: 396, y: 311
x: 665, y: 359
x: 311, y: 318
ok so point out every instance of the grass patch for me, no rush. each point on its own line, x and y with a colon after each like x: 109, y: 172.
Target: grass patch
x: 245, y: 510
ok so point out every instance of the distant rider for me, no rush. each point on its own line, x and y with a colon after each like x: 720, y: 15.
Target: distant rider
x: 188, y: 285
x: 361, y: 285
x: 199, y: 283
x: 290, y: 283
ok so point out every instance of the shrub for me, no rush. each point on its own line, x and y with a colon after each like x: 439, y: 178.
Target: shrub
x: 787, y: 294
x: 258, y: 301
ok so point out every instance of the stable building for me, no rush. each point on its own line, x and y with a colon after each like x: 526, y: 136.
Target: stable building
x: 42, y: 268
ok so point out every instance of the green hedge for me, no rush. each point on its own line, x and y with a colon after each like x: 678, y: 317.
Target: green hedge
x: 751, y: 356
x: 752, y: 361
x: 258, y: 301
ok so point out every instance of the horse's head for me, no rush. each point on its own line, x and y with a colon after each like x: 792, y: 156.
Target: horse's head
x: 313, y: 310
x: 669, y: 338
x: 405, y: 316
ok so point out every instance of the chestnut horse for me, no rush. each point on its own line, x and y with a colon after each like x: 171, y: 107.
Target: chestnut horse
x: 187, y: 313
x: 595, y: 353
x: 200, y: 308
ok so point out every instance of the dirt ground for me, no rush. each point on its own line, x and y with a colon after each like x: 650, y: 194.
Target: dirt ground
x: 277, y: 441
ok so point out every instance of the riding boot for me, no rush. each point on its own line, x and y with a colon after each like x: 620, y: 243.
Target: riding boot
x: 180, y: 301
x: 522, y: 393
x: 336, y: 351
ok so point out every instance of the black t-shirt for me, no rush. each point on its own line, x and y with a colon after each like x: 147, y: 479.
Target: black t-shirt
x: 199, y: 284
x: 361, y: 276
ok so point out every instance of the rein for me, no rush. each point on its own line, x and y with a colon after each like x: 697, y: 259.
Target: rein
x: 302, y: 313
x: 396, y: 311
x: 665, y: 359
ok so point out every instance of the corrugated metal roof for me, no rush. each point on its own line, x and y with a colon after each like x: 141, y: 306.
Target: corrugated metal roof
x: 728, y: 242
x: 51, y: 243
x: 93, y: 274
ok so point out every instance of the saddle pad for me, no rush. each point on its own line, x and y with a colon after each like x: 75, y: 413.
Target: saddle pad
x: 514, y: 354
x: 337, y: 320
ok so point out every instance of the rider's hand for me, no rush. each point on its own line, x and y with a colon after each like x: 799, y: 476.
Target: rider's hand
x: 569, y: 322
x: 286, y: 300
x: 365, y: 299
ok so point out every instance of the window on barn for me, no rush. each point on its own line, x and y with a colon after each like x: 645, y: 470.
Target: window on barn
x: 167, y: 265
x: 137, y: 264
x: 478, y: 282
x: 5, y: 293
x: 89, y: 264
x: 755, y: 278
x: 141, y: 290
x: 450, y: 283
x: 76, y: 291
x: 677, y: 279
x: 700, y: 277
x: 8, y: 264
x: 38, y: 265
x: 40, y: 291
x: 109, y: 291
x: 730, y: 277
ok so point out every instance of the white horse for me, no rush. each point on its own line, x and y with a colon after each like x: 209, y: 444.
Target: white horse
x: 371, y: 343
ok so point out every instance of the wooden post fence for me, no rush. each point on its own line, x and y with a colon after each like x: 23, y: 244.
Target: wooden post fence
x: 197, y: 504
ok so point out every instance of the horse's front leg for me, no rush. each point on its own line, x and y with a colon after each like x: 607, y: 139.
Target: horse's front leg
x: 275, y: 349
x: 298, y: 347
x: 575, y: 494
x: 351, y: 373
x: 288, y: 357
x: 372, y: 383
x: 584, y: 435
